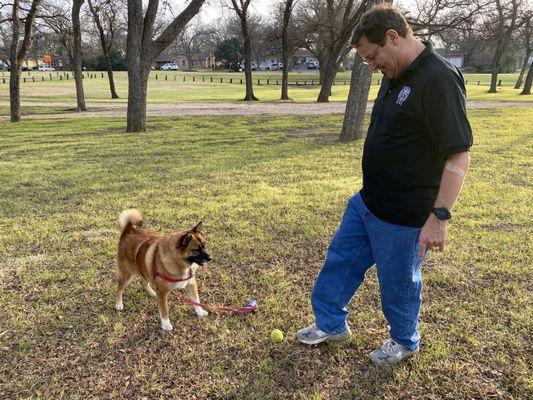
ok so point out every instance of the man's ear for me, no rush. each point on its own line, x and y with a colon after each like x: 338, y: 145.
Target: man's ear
x: 393, y: 36
x: 197, y: 227
x: 185, y: 240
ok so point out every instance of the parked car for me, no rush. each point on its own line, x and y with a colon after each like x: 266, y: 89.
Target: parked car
x: 274, y: 66
x: 253, y: 66
x: 46, y: 68
x: 169, y: 67
x: 312, y: 65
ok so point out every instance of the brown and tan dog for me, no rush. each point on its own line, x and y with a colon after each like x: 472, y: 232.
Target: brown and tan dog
x: 167, y: 262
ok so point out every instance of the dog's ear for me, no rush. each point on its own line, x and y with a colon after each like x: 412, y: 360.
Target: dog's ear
x: 185, y: 240
x: 197, y: 227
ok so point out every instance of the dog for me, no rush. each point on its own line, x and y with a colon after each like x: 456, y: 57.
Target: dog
x: 166, y: 262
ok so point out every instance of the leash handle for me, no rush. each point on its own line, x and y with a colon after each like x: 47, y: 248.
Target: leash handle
x: 251, y: 307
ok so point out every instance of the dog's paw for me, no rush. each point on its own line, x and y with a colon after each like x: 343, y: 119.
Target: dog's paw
x: 166, y: 325
x: 200, y: 312
x: 119, y: 306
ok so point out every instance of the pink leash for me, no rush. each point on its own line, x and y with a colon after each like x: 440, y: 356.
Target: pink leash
x: 251, y: 307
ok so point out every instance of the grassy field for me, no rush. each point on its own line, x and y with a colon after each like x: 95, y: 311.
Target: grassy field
x: 203, y: 90
x: 270, y: 192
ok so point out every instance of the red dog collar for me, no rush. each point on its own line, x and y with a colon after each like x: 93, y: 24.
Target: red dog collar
x: 155, y: 274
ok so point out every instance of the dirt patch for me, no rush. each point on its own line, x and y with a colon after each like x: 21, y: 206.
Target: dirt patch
x: 229, y: 108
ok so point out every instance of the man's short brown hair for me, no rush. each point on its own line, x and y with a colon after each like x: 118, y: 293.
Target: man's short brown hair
x: 376, y: 22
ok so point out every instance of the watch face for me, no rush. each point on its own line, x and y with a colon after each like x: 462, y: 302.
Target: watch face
x: 442, y: 213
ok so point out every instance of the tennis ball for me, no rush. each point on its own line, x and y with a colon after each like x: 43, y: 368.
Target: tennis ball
x: 276, y: 336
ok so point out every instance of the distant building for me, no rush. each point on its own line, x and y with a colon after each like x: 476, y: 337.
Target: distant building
x: 457, y: 58
x: 199, y: 60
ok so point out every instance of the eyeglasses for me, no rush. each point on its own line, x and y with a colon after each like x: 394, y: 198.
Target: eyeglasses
x: 370, y: 60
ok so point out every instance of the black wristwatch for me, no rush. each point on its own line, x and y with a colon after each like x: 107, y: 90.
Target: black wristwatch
x: 442, y: 213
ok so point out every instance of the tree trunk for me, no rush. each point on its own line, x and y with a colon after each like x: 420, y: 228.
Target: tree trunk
x: 328, y: 71
x: 109, y: 68
x: 76, y: 54
x: 529, y: 80
x: 352, y: 126
x: 190, y: 61
x: 106, y: 47
x: 523, y: 70
x: 17, y: 53
x: 136, y: 114
x: 137, y: 92
x: 495, y: 67
x: 142, y: 50
x: 285, y: 51
x: 525, y: 64
x: 15, y: 67
x: 14, y: 92
x: 247, y: 61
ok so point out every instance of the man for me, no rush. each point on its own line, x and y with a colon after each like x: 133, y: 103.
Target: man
x: 414, y: 162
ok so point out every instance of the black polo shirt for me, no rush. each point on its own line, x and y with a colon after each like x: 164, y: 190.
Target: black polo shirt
x: 417, y: 121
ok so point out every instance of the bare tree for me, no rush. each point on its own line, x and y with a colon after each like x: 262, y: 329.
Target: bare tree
x: 76, y: 54
x: 528, y: 45
x: 360, y: 82
x: 339, y: 46
x: 193, y: 39
x: 506, y: 20
x: 105, y: 12
x: 328, y: 27
x: 437, y: 17
x: 21, y: 18
x: 286, y: 48
x: 142, y: 50
x: 241, y: 8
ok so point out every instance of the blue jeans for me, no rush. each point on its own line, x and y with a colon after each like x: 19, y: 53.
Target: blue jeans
x: 361, y: 241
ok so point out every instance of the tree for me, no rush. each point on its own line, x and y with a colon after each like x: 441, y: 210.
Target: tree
x: 20, y: 43
x: 339, y: 47
x: 285, y: 49
x: 76, y: 54
x: 106, y: 10
x: 506, y: 20
x: 436, y: 17
x: 142, y: 50
x: 230, y: 50
x: 328, y: 27
x: 192, y: 40
x: 529, y: 80
x: 242, y: 12
x: 529, y: 48
x: 360, y: 81
x: 354, y: 116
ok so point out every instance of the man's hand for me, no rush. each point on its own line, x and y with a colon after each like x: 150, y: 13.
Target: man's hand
x: 432, y: 235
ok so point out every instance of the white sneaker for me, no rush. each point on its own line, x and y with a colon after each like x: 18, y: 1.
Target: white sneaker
x: 391, y: 353
x: 313, y: 335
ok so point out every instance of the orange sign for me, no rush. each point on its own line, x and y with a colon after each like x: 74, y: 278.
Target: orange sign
x: 47, y: 59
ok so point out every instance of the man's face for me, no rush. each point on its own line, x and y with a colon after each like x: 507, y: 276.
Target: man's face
x: 383, y: 58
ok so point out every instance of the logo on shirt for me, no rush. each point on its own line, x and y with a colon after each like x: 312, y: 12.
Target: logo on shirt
x: 404, y: 93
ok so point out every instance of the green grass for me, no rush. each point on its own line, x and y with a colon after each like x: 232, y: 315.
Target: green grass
x: 170, y: 90
x: 271, y: 192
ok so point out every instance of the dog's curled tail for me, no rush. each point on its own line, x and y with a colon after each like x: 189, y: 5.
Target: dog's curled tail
x: 130, y: 217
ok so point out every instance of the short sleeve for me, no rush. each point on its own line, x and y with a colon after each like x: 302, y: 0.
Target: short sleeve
x: 444, y: 113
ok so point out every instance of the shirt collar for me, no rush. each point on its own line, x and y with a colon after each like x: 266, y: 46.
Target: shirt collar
x: 428, y: 51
